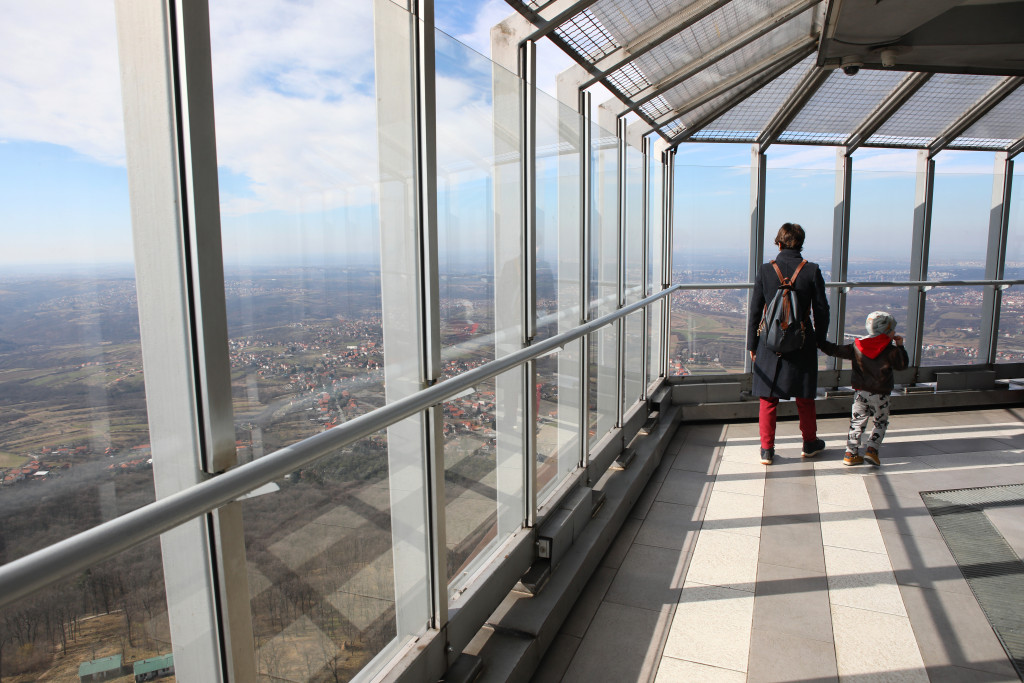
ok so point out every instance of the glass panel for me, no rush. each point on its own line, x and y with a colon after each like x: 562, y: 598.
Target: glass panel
x: 708, y: 327
x: 952, y: 326
x: 806, y: 197
x: 958, y: 248
x: 634, y: 240
x: 604, y: 288
x: 74, y: 442
x: 655, y: 251
x: 336, y: 552
x: 557, y: 423
x: 321, y: 569
x: 881, y: 212
x: 480, y: 245
x: 635, y: 325
x: 1010, y: 345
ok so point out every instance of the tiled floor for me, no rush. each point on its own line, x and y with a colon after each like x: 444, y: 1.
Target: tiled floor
x: 802, y: 571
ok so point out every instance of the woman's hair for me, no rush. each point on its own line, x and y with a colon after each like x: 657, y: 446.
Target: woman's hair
x: 790, y: 236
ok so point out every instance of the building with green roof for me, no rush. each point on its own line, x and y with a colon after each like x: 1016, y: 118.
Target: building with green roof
x: 154, y: 667
x: 100, y: 669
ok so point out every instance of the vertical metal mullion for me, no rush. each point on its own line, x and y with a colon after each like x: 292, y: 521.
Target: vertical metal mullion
x: 668, y: 199
x: 586, y: 249
x: 840, y: 248
x: 167, y: 95
x: 428, y: 283
x: 919, y: 254
x: 528, y: 145
x: 644, y: 257
x: 995, y: 260
x: 758, y: 175
x: 620, y: 273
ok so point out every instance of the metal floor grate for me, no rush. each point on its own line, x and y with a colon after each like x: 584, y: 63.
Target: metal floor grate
x: 993, y: 570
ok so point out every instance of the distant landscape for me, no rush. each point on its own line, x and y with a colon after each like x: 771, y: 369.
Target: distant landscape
x: 306, y: 354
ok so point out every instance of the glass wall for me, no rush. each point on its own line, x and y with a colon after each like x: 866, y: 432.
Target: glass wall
x: 655, y: 249
x: 1010, y: 344
x: 805, y: 196
x: 74, y: 438
x: 604, y: 287
x: 303, y: 222
x: 559, y: 394
x: 634, y: 274
x: 958, y: 246
x: 711, y: 237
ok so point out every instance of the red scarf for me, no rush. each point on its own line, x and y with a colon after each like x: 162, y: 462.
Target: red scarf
x: 872, y: 347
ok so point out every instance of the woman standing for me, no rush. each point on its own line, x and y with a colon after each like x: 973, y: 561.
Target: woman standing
x: 793, y: 374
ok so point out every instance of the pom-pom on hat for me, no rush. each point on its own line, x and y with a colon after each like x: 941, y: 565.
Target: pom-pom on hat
x: 880, y: 322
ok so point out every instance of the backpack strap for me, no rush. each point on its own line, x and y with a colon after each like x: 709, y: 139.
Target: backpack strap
x: 787, y: 282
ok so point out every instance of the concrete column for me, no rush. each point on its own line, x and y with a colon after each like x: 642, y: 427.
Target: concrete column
x: 919, y: 253
x: 840, y: 250
x: 995, y: 261
x: 758, y: 175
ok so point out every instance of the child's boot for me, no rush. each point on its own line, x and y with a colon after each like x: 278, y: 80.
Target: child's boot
x: 852, y: 459
x: 871, y: 455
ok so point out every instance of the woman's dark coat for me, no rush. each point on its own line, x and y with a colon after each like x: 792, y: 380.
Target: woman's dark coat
x: 793, y: 374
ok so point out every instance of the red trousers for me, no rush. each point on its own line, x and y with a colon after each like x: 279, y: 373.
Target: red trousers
x: 766, y: 420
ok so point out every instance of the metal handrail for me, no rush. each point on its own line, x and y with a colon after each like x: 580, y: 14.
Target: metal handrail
x: 866, y: 283
x: 64, y: 558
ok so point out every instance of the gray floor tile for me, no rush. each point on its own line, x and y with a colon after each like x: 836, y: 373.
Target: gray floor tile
x: 783, y: 498
x: 699, y: 458
x: 685, y: 488
x: 958, y: 674
x: 617, y: 646
x: 643, y: 503
x: 670, y: 526
x: 792, y: 601
x: 951, y: 630
x: 791, y: 543
x: 924, y: 562
x: 915, y: 522
x: 792, y: 470
x: 707, y: 434
x: 779, y: 657
x: 967, y: 445
x: 743, y: 430
x: 649, y: 578
x: 907, y: 449
x: 587, y: 604
x: 620, y: 546
x: 667, y: 460
x: 556, y: 660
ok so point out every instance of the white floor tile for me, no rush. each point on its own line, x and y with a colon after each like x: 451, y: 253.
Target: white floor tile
x: 862, y: 580
x: 674, y: 670
x: 712, y: 626
x: 725, y: 559
x: 872, y: 646
x: 846, y: 528
x: 733, y: 512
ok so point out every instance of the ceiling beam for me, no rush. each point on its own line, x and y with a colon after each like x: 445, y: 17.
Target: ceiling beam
x: 972, y: 115
x: 741, y: 93
x: 720, y: 52
x: 884, y: 111
x: 1015, y: 149
x: 791, y: 54
x: 654, y: 37
x: 797, y: 100
x: 551, y: 16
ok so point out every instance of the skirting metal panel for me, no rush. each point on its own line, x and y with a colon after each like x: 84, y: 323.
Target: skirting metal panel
x: 993, y: 570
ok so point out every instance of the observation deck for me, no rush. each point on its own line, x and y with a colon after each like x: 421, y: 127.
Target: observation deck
x: 809, y: 570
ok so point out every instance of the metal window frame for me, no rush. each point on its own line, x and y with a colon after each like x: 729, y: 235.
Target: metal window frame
x: 758, y: 184
x: 920, y: 242
x: 900, y: 95
x: 791, y: 108
x: 840, y: 249
x: 995, y: 259
x: 983, y: 106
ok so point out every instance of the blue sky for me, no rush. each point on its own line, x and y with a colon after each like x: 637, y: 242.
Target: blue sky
x: 296, y: 135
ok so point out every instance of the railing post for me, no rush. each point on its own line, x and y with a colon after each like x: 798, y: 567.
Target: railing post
x: 586, y: 272
x: 919, y: 254
x: 620, y: 272
x: 167, y: 88
x: 645, y: 185
x: 528, y: 147
x: 840, y: 249
x: 758, y: 176
x: 995, y: 261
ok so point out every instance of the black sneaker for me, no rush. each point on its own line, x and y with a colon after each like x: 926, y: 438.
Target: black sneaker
x: 767, y: 455
x: 812, y: 448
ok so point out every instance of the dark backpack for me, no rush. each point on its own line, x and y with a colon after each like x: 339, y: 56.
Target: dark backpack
x: 781, y: 326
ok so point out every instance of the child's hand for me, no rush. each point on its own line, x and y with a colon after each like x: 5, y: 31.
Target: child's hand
x: 898, y: 339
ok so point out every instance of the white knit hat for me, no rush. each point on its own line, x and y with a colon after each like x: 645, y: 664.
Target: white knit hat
x: 880, y: 322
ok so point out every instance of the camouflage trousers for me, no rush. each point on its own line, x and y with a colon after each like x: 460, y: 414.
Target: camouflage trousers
x: 865, y: 405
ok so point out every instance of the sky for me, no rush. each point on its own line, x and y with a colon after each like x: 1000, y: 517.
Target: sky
x: 296, y: 125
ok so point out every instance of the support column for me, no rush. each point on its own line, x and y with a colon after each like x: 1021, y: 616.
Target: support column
x: 645, y: 284
x: 404, y: 73
x: 995, y: 261
x: 528, y: 153
x: 758, y: 176
x: 586, y: 266
x: 919, y: 253
x: 167, y: 91
x: 840, y: 250
x: 620, y: 275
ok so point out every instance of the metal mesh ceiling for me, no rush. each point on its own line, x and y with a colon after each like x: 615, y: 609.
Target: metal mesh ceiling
x: 936, y: 106
x: 746, y: 120
x: 695, y: 69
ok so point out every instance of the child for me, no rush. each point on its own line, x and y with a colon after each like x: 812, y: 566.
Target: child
x: 874, y: 359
